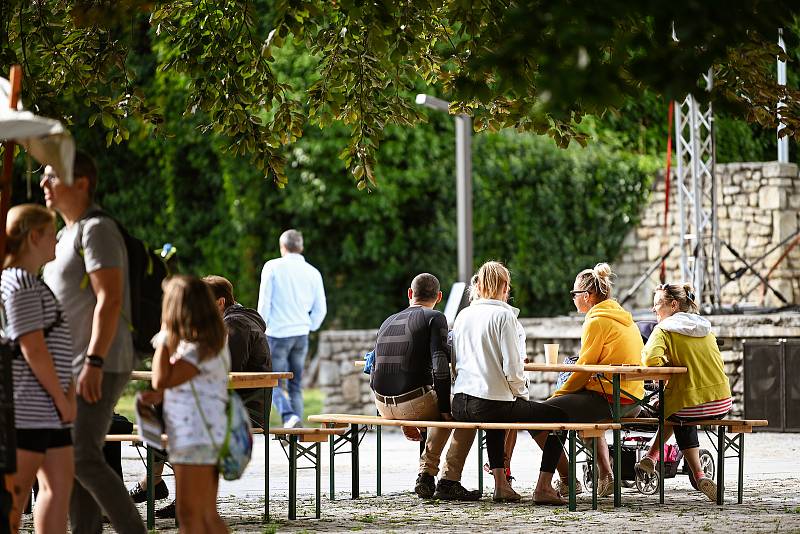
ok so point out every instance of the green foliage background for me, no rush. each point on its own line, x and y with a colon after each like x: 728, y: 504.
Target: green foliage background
x: 545, y: 211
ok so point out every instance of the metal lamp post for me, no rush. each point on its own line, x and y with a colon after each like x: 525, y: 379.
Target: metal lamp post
x: 463, y: 183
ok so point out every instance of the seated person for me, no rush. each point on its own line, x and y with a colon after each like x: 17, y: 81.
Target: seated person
x: 684, y: 339
x: 490, y: 383
x: 609, y: 337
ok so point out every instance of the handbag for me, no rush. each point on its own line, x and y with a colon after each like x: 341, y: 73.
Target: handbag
x: 563, y: 376
x: 236, y: 449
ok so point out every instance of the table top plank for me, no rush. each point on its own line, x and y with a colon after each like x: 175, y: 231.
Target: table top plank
x: 236, y: 380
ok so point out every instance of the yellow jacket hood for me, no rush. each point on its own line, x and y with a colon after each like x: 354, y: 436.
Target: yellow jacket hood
x: 610, y: 309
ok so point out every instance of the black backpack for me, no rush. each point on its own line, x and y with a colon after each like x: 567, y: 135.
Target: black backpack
x: 146, y: 272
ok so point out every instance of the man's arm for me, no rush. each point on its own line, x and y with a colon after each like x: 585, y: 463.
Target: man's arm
x: 108, y: 286
x: 319, y: 308
x: 440, y: 355
x: 265, y: 293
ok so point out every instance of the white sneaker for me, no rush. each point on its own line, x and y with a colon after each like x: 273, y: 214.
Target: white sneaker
x: 709, y: 487
x: 292, y: 422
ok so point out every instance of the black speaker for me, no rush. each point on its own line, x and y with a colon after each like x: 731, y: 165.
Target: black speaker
x: 763, y: 382
x: 791, y: 374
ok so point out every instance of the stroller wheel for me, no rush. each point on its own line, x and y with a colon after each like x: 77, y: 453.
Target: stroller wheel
x: 647, y: 484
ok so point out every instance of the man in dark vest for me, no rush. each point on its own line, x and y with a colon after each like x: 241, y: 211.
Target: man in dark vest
x: 411, y: 380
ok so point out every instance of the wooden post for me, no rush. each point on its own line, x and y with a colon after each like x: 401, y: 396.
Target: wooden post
x: 5, y: 201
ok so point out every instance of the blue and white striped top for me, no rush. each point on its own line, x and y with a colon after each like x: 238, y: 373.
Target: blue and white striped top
x: 31, y: 306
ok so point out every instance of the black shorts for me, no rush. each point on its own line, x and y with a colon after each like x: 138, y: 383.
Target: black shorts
x: 41, y: 439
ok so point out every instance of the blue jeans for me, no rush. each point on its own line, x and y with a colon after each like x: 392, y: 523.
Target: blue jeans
x: 289, y: 354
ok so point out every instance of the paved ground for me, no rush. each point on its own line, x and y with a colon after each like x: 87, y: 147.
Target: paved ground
x: 771, y: 497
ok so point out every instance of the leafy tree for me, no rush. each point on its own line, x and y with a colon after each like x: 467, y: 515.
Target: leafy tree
x: 535, y: 66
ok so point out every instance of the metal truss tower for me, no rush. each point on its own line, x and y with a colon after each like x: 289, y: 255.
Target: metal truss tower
x: 697, y: 198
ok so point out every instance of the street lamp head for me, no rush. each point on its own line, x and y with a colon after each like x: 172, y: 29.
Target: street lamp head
x: 433, y: 102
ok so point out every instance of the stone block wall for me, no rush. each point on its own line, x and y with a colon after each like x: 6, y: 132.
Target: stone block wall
x: 758, y: 207
x: 346, y: 387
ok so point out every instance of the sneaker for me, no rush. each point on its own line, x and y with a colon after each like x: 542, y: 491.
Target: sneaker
x: 139, y: 494
x: 168, y: 512
x: 709, y: 487
x: 292, y: 422
x: 605, y: 486
x: 425, y: 486
x: 452, y: 490
x: 646, y: 464
x: 562, y: 487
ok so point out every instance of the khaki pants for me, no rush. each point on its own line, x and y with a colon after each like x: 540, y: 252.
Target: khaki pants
x: 426, y: 408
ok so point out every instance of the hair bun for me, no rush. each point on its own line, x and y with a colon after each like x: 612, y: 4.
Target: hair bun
x: 602, y: 270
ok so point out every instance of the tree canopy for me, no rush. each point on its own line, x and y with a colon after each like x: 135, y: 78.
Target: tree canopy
x: 534, y: 66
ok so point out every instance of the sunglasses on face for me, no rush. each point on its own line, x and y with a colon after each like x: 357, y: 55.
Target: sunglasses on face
x: 575, y: 293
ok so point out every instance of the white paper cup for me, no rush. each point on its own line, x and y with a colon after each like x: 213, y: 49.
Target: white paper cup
x: 551, y: 353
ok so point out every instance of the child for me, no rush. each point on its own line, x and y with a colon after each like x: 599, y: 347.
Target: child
x: 191, y: 365
x: 44, y: 393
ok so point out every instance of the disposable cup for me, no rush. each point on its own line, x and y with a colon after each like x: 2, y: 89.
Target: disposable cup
x: 551, y: 353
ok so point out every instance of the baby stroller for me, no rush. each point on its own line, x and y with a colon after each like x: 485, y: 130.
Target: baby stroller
x: 635, y: 442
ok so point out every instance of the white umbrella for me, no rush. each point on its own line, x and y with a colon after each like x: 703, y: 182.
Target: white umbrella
x: 45, y: 139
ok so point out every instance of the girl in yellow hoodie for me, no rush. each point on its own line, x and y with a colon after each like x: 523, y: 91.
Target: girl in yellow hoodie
x: 683, y: 338
x: 609, y: 337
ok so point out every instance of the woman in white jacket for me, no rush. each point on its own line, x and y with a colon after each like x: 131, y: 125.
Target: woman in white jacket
x: 490, y: 383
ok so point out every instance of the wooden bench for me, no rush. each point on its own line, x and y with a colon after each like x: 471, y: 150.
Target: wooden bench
x: 740, y: 427
x: 575, y: 431
x: 293, y: 436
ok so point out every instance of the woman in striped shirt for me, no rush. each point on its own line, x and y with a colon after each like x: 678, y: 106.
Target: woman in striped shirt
x: 44, y: 394
x: 684, y: 339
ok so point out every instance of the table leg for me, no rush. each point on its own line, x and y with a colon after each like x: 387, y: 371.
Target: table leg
x: 480, y: 460
x: 331, y: 477
x: 661, y: 464
x: 378, y: 444
x: 594, y: 473
x: 293, y: 477
x: 151, y: 505
x: 572, y: 471
x: 265, y: 428
x: 720, y: 464
x: 354, y: 458
x: 617, y: 444
x: 741, y: 466
x: 318, y: 469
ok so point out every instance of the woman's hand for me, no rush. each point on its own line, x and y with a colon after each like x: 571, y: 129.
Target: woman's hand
x: 67, y: 405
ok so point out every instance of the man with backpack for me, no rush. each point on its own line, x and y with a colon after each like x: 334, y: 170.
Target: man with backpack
x: 89, y: 276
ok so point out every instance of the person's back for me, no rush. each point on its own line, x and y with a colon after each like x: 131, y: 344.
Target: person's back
x: 295, y: 300
x: 403, y: 359
x: 247, y: 339
x: 488, y: 360
x: 685, y: 340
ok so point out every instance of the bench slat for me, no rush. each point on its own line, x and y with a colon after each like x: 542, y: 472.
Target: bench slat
x: 309, y: 435
x: 732, y: 423
x: 375, y: 420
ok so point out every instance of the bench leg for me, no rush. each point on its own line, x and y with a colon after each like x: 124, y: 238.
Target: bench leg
x: 741, y: 466
x: 617, y: 444
x: 572, y: 470
x: 720, y: 465
x: 151, y: 505
x: 480, y: 460
x: 354, y: 458
x: 661, y: 464
x: 594, y: 474
x: 318, y: 470
x: 293, y: 477
x: 378, y: 444
x: 331, y: 477
x: 266, y: 474
x: 265, y: 428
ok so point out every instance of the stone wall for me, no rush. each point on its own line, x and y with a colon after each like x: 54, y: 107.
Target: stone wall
x: 346, y: 387
x: 759, y: 206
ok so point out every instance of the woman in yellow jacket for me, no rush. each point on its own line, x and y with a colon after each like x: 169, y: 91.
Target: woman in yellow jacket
x: 684, y: 339
x: 609, y: 337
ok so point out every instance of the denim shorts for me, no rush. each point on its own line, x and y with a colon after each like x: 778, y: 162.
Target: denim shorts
x: 196, y: 455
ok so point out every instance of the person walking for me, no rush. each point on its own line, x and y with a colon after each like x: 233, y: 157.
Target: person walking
x: 44, y: 392
x: 291, y: 301
x: 89, y: 276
